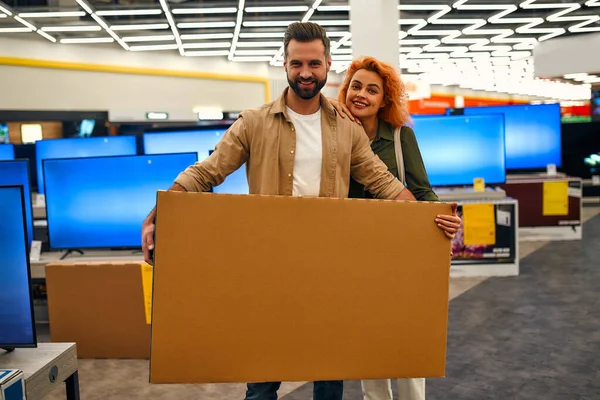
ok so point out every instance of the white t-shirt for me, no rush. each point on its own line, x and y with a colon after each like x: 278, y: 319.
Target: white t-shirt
x: 309, y: 153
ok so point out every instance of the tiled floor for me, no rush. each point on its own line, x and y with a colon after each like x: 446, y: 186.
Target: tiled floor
x: 486, y: 354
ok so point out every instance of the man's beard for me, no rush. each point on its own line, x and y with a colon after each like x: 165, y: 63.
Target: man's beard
x: 305, y: 93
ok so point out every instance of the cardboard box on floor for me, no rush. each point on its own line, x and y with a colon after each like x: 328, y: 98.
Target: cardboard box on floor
x: 273, y: 288
x: 100, y: 306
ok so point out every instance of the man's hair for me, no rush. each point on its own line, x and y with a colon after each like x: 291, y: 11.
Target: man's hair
x: 306, y: 32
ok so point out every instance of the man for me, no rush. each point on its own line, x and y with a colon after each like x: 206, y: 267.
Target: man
x: 296, y: 146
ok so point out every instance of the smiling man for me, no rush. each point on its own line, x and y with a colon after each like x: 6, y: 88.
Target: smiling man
x: 297, y: 145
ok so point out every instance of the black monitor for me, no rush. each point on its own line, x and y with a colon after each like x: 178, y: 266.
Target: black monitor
x: 17, y: 323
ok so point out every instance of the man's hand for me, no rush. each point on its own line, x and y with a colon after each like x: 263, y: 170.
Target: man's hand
x: 449, y: 223
x: 343, y: 110
x: 148, y: 228
x: 406, y: 194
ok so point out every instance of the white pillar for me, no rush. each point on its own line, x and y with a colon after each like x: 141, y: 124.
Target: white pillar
x: 375, y: 29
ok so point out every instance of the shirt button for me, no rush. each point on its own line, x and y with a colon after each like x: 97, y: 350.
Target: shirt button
x: 291, y: 151
x: 289, y: 175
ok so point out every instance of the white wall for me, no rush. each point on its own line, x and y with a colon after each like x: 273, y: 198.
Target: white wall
x: 129, y: 95
x: 567, y: 55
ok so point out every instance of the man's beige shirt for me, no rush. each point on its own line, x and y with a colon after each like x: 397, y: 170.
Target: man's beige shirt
x: 265, y: 139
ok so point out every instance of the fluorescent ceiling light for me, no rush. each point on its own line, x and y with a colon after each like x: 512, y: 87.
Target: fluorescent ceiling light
x: 277, y: 9
x: 225, y: 24
x: 201, y: 36
x: 15, y: 30
x: 238, y: 27
x: 87, y: 40
x: 105, y: 13
x: 255, y: 52
x: 207, y: 53
x: 251, y: 59
x: 85, y: 6
x: 154, y: 47
x: 199, y: 10
x: 152, y: 38
x: 255, y: 24
x: 3, y: 15
x: 340, y: 22
x: 216, y: 45
x: 308, y: 14
x: 56, y: 14
x: 261, y: 35
x: 167, y: 10
x: 260, y: 44
x: 74, y: 28
x: 45, y: 35
x: 27, y: 24
x: 138, y: 27
x: 333, y: 8
x: 5, y: 11
x: 337, y: 34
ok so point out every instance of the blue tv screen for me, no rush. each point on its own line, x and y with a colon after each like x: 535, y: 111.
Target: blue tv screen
x: 81, y: 147
x: 200, y: 141
x: 458, y: 149
x: 17, y: 325
x: 16, y: 172
x: 532, y: 134
x: 101, y: 202
x: 7, y: 152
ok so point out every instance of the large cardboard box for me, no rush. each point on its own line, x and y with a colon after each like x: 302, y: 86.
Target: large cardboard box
x: 100, y: 306
x: 273, y: 288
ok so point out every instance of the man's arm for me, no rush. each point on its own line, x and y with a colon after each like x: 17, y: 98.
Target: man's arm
x: 367, y: 169
x: 230, y: 153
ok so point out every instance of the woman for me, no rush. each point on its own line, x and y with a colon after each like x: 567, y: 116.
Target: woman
x: 373, y: 93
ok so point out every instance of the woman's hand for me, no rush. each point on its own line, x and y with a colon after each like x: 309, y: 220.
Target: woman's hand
x: 449, y: 223
x: 343, y: 110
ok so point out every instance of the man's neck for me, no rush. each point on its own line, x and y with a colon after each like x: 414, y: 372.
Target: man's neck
x: 370, y: 125
x: 301, y: 106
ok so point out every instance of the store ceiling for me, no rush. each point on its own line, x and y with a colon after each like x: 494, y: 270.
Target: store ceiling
x: 445, y: 41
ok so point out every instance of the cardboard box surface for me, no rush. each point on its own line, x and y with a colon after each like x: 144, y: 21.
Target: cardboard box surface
x: 100, y: 306
x: 272, y: 288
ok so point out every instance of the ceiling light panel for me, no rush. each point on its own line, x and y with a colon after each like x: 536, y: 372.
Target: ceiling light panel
x: 200, y: 10
x: 55, y: 14
x: 113, y: 13
x: 139, y: 27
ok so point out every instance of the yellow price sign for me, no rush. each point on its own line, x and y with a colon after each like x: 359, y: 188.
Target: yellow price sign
x: 479, y: 185
x: 555, y: 198
x: 147, y: 288
x: 479, y: 224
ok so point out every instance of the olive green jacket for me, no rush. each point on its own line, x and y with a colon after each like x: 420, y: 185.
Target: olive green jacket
x: 414, y: 169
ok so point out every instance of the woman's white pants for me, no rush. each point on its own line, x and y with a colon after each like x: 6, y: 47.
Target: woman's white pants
x: 381, y: 389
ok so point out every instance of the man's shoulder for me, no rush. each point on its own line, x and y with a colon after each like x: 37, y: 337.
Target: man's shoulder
x: 258, y: 112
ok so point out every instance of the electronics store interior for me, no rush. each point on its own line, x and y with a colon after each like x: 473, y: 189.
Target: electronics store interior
x: 160, y: 237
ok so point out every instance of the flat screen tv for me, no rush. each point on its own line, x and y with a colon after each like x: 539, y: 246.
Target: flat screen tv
x: 16, y: 172
x: 533, y: 134
x: 7, y: 151
x: 458, y: 149
x: 101, y: 202
x: 17, y: 323
x: 81, y: 147
x: 202, y: 141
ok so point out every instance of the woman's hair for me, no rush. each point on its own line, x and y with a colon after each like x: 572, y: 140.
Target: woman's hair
x: 395, y: 111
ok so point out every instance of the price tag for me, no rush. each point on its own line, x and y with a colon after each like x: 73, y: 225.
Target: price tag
x: 596, y: 180
x: 479, y: 185
x: 551, y: 169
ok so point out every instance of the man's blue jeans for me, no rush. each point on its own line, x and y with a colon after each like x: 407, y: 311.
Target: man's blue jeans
x: 323, y: 390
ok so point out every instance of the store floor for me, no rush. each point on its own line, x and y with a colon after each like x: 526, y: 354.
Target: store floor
x: 532, y: 336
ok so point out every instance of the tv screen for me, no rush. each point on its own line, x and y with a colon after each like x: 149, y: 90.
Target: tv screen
x: 101, y: 202
x: 532, y: 134
x: 17, y: 324
x: 7, y: 152
x: 16, y: 172
x: 200, y: 141
x: 88, y: 147
x: 458, y: 149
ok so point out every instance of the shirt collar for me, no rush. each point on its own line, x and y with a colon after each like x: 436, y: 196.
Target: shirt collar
x: 384, y: 131
x: 279, y: 105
